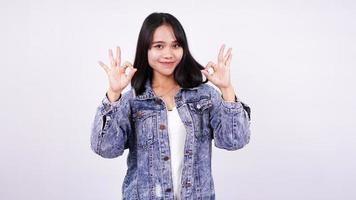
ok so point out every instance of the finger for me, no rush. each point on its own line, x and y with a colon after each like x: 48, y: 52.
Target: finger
x: 227, y: 54
x: 210, y: 64
x: 111, y: 57
x: 228, y: 60
x: 206, y: 74
x: 131, y: 73
x: 118, y: 56
x: 213, y: 66
x: 128, y: 69
x: 221, y: 53
x: 125, y: 66
x: 210, y: 68
x: 106, y: 68
x: 132, y: 68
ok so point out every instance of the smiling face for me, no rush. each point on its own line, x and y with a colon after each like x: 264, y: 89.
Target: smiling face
x: 164, y: 53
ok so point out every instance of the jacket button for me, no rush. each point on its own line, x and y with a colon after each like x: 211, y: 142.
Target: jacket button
x: 189, y: 152
x: 166, y: 158
x: 168, y: 190
x: 162, y: 126
x: 139, y: 114
x: 188, y: 123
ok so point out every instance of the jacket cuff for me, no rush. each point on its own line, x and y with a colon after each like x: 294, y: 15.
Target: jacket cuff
x: 231, y: 104
x: 237, y: 104
x: 109, y: 106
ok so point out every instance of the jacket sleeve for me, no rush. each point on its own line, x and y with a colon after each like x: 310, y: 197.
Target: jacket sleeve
x: 111, y: 127
x: 230, y: 122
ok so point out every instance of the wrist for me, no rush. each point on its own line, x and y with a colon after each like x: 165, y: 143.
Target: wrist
x: 228, y: 93
x: 113, y: 96
x: 227, y: 88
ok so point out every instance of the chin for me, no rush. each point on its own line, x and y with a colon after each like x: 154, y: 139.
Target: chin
x: 166, y: 72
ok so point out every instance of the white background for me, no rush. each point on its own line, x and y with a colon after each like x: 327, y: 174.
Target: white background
x: 293, y: 64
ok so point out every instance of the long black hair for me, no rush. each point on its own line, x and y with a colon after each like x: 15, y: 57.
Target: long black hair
x: 187, y: 73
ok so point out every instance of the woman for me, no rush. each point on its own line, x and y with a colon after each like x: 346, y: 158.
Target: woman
x: 170, y: 116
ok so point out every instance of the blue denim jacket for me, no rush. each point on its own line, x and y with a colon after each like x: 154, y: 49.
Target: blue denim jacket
x: 139, y: 123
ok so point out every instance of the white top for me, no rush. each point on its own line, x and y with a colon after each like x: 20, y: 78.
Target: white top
x: 176, y: 133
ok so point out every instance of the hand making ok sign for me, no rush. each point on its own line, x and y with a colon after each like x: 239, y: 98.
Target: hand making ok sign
x: 221, y: 71
x: 118, y: 79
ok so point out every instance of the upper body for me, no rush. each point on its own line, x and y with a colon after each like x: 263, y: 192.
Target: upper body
x: 139, y: 123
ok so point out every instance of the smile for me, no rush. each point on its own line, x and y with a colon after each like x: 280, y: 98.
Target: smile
x: 167, y: 63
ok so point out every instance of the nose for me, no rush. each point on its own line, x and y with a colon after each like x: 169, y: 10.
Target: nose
x: 168, y: 53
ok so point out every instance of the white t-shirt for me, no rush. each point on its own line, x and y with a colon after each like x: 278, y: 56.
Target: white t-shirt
x: 176, y: 133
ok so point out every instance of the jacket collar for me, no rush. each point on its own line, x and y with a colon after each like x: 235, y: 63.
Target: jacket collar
x: 149, y: 94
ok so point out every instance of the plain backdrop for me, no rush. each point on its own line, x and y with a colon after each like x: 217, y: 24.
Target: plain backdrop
x: 293, y: 64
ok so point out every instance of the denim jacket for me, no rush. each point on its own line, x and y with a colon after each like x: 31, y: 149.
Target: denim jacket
x: 139, y: 123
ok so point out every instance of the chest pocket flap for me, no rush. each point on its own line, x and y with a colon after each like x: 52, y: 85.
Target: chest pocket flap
x: 145, y: 124
x: 201, y: 106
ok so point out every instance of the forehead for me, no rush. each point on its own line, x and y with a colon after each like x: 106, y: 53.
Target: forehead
x: 164, y: 33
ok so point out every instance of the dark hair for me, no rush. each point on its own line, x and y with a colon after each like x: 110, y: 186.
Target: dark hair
x: 187, y: 73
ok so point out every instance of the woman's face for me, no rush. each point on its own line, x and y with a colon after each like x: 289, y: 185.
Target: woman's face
x: 164, y: 53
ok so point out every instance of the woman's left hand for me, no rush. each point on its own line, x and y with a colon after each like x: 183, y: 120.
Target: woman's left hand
x: 221, y: 71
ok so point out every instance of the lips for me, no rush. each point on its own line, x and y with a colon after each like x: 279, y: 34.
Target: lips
x: 167, y: 63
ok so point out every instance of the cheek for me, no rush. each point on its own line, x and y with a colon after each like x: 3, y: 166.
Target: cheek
x: 179, y: 55
x: 152, y: 57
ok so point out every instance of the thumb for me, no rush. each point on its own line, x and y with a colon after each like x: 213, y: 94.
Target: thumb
x: 132, y: 72
x: 206, y: 74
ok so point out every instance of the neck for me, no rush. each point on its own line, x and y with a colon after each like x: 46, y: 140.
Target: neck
x: 163, y: 82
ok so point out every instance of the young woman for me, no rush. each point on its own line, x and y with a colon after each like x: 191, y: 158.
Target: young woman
x: 170, y: 116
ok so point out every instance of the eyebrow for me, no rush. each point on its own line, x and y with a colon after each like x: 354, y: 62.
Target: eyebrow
x: 155, y: 42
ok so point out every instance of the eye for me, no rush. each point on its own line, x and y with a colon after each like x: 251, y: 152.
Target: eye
x: 159, y: 46
x: 176, y: 45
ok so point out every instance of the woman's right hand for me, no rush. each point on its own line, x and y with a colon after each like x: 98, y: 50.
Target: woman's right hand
x: 118, y: 80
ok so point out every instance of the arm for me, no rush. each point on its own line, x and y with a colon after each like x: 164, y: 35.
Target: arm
x: 230, y: 122
x: 112, y: 127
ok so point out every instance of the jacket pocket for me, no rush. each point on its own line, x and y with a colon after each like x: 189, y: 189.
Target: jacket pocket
x: 145, y: 125
x: 201, y: 106
x: 200, y: 110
